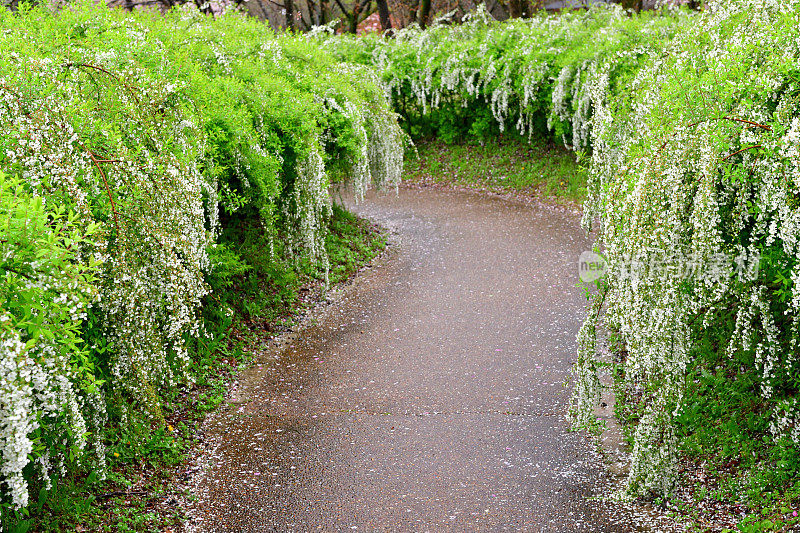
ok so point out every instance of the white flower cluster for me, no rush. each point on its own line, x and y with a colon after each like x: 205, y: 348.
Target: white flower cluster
x: 123, y: 166
x: 311, y: 205
x: 519, y: 69
x: 700, y: 160
x: 16, y: 422
x: 381, y: 141
x: 101, y: 125
x: 43, y: 300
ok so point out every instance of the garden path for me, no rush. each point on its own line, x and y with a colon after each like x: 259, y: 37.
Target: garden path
x: 429, y: 396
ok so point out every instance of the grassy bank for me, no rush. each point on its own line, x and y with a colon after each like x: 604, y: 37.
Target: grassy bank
x: 504, y: 165
x: 147, y: 466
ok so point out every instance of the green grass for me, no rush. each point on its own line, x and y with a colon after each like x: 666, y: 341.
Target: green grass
x: 735, y: 464
x: 262, y: 281
x: 504, y: 164
x: 147, y: 462
x: 351, y: 243
x: 735, y: 476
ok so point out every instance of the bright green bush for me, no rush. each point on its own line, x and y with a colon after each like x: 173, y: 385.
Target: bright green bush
x: 530, y: 77
x: 44, y: 296
x: 141, y: 144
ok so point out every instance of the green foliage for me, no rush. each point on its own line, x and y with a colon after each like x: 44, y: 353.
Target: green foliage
x: 168, y: 174
x: 146, y: 461
x: 694, y: 175
x: 161, y: 167
x: 44, y: 296
x: 351, y: 244
x: 481, y: 78
x: 502, y: 164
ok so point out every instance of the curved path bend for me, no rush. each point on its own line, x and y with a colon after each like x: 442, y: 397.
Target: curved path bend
x: 429, y: 397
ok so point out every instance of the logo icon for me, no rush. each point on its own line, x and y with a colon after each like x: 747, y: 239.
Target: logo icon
x: 591, y: 267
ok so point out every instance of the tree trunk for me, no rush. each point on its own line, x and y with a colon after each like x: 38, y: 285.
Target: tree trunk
x: 424, y: 12
x: 321, y: 11
x: 351, y: 19
x: 519, y: 9
x: 383, y: 14
x: 635, y: 5
x: 352, y: 24
x: 411, y: 12
x: 288, y: 5
x: 513, y: 9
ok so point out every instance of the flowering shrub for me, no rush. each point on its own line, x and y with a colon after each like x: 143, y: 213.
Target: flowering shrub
x: 702, y: 163
x: 46, y: 376
x: 130, y: 142
x: 692, y: 125
x: 139, y: 149
x: 532, y: 76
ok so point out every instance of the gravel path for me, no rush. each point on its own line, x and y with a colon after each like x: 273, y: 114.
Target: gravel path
x: 429, y: 397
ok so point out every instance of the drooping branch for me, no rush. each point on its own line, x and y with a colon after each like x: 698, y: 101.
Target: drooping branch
x: 740, y: 151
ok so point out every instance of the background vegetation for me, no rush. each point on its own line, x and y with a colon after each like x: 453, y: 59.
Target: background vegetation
x: 503, y: 165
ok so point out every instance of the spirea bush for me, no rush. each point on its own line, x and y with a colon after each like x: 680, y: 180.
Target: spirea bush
x: 46, y: 377
x: 535, y: 76
x: 128, y: 144
x: 692, y: 127
x: 695, y: 184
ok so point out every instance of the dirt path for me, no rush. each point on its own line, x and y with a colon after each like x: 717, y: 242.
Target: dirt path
x: 429, y: 397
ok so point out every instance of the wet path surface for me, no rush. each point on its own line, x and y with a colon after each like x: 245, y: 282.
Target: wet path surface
x: 429, y: 397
